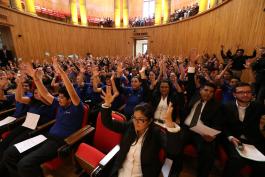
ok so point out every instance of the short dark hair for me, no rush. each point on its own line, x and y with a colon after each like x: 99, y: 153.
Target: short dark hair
x: 208, y: 84
x: 242, y: 84
x: 63, y: 90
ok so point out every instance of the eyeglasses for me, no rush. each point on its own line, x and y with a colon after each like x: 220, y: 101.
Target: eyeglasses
x: 139, y: 120
x: 243, y: 93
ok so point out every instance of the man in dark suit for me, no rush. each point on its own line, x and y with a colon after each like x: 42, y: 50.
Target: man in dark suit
x: 5, y: 56
x: 203, y: 109
x: 242, y: 126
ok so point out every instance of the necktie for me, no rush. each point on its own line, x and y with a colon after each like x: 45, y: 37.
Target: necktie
x: 196, y: 115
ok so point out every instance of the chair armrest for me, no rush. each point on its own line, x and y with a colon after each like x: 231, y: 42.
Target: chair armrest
x: 98, y: 171
x: 122, y: 107
x: 18, y: 121
x: 42, y: 127
x: 110, y: 156
x: 11, y: 125
x: 3, y: 113
x: 81, y: 133
x: 78, y: 136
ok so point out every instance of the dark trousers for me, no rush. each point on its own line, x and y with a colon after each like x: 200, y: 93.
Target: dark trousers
x: 15, y: 136
x: 206, y: 153
x: 27, y: 164
x: 235, y: 163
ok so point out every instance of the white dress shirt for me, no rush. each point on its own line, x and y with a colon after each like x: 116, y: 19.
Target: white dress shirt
x: 132, y: 165
x: 161, y: 109
x: 190, y: 116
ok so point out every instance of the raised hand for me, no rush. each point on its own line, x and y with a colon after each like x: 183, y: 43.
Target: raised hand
x: 56, y: 65
x: 168, y: 116
x: 194, y: 56
x: 107, y: 96
x: 28, y: 69
x: 39, y: 73
x: 119, y: 68
x: 3, y: 82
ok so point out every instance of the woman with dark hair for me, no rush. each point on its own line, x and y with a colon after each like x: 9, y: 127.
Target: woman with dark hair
x: 141, y: 141
x: 162, y: 96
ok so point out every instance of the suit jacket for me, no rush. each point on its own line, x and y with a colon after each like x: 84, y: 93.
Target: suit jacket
x: 154, y: 141
x: 249, y: 127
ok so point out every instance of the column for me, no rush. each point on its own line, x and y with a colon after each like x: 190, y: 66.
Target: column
x: 117, y: 13
x: 30, y: 6
x: 158, y: 12
x: 213, y: 3
x: 166, y: 10
x: 74, y: 15
x: 125, y: 13
x: 82, y: 7
x: 203, y: 5
x: 16, y: 4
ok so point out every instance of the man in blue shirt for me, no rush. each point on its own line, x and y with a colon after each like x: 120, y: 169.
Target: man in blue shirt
x: 68, y: 120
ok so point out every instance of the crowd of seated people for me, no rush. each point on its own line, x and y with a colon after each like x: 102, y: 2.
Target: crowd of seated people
x: 185, y: 12
x: 141, y: 21
x: 148, y: 89
x: 106, y: 22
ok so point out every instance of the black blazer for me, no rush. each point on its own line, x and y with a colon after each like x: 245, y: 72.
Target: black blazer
x: 249, y: 127
x: 154, y: 141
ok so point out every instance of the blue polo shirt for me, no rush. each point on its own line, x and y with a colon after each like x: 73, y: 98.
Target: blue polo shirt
x: 68, y: 119
x: 81, y: 91
x: 134, y: 97
x: 94, y: 97
x: 21, y: 108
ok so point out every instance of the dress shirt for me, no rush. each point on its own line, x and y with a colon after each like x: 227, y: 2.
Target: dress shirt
x: 190, y: 116
x: 132, y: 165
x: 161, y: 109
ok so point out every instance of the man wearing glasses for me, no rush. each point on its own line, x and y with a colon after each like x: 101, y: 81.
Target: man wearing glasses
x: 243, y: 118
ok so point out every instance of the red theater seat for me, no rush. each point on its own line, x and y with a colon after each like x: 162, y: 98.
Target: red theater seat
x: 89, y: 156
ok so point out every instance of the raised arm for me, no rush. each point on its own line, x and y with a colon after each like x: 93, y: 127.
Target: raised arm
x: 114, y: 88
x: 117, y: 126
x: 71, y: 91
x: 96, y: 80
x: 19, y: 92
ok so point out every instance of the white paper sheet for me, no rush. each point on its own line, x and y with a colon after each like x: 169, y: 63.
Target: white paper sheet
x: 29, y: 143
x: 7, y: 120
x: 31, y: 120
x: 252, y: 153
x: 204, y: 130
x: 166, y: 167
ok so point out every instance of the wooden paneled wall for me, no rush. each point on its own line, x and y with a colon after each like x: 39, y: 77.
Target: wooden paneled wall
x: 236, y: 22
